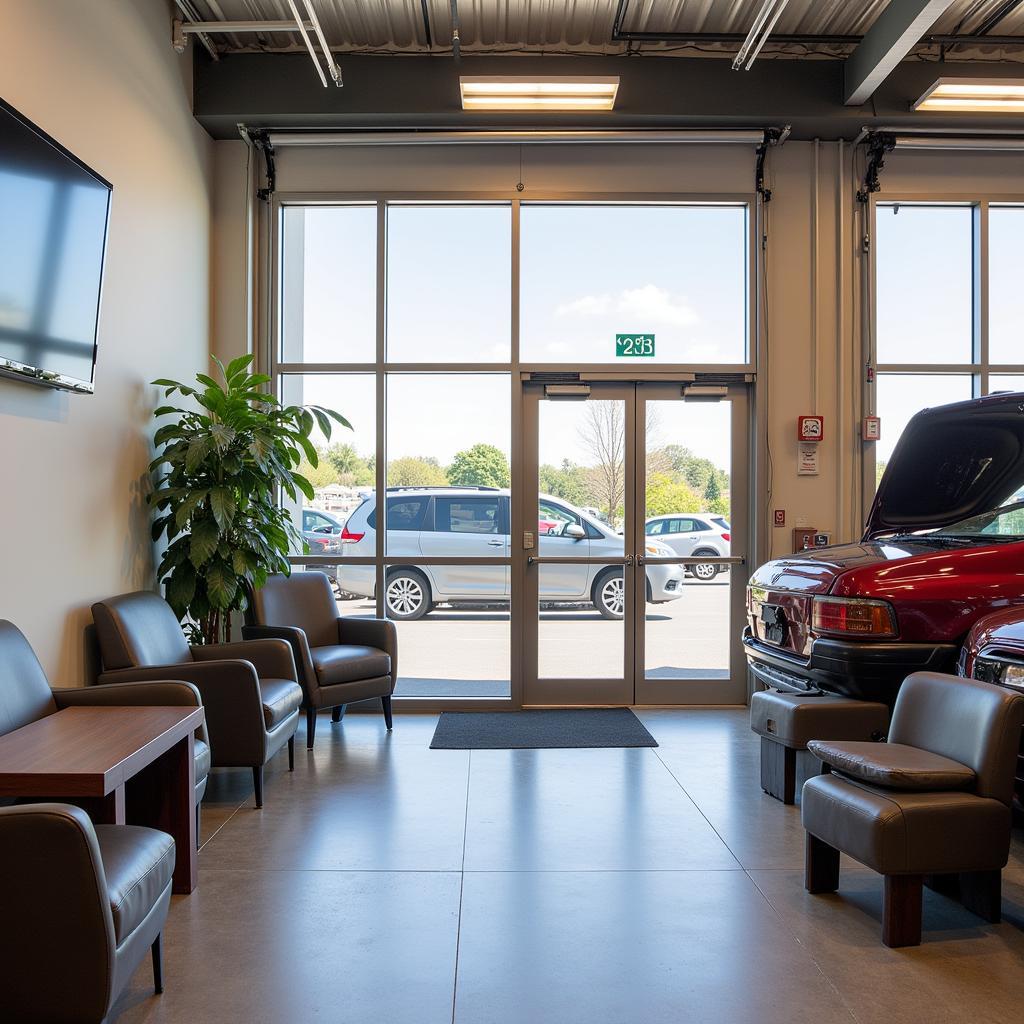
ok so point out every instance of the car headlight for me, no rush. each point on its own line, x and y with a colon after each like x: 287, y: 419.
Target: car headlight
x: 991, y: 668
x: 853, y: 616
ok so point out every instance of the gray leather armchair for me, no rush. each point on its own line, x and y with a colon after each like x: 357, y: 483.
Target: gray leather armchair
x: 932, y: 805
x: 25, y: 696
x: 340, y: 659
x: 249, y: 690
x: 82, y: 905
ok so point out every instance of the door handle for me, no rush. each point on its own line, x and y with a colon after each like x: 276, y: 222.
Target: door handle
x: 628, y: 560
x: 639, y: 559
x: 495, y: 543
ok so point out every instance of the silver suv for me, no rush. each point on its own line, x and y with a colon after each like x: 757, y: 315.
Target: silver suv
x: 694, y: 533
x: 473, y: 522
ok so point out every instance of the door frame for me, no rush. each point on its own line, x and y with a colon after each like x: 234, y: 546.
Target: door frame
x: 633, y: 687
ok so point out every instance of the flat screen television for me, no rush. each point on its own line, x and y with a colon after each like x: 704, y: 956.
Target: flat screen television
x: 54, y: 212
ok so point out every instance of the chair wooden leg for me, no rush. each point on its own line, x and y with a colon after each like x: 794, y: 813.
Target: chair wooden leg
x: 310, y: 727
x: 291, y: 753
x: 981, y: 893
x: 386, y: 701
x: 158, y: 966
x: 821, y: 866
x: 338, y: 713
x: 901, y: 913
x: 257, y: 782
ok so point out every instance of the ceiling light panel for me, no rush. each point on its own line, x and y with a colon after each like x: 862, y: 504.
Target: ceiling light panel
x: 978, y: 95
x: 525, y: 93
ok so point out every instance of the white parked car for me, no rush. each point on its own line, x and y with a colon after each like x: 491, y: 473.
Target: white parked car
x: 474, y: 522
x: 693, y: 533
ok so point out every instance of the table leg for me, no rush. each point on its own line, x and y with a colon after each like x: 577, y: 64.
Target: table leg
x: 176, y: 810
x: 105, y: 810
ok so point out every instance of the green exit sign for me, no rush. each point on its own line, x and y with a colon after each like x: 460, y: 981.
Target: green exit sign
x: 634, y: 345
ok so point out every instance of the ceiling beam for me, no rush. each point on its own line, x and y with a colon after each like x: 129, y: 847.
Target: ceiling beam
x: 893, y: 35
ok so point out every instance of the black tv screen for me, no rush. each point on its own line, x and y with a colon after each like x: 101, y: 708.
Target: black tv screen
x: 53, y: 231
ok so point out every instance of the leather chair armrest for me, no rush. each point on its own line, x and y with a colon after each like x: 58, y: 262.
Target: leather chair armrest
x: 272, y: 658
x: 380, y: 633
x: 231, y: 699
x: 163, y: 693
x: 296, y: 639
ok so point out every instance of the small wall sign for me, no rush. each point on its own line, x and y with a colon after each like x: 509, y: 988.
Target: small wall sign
x: 807, y: 459
x: 629, y: 345
x: 872, y: 429
x: 811, y: 428
x: 779, y: 516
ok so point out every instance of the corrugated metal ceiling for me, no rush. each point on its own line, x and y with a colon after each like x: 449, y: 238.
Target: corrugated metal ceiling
x: 567, y: 26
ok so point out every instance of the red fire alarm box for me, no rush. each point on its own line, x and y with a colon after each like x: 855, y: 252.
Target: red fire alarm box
x: 811, y: 428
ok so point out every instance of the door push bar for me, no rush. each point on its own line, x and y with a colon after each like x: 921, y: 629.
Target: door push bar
x: 640, y: 560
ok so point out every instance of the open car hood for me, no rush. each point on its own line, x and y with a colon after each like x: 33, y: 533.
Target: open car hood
x: 952, y: 462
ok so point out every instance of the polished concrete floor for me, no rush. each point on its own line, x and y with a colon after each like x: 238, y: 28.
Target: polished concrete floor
x: 386, y: 882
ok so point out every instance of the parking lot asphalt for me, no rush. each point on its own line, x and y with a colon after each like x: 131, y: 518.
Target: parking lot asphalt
x: 455, y: 652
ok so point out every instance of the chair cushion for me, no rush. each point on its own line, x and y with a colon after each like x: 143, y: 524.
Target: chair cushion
x: 349, y: 663
x: 897, y: 832
x: 138, y: 863
x: 793, y: 719
x: 894, y: 765
x: 202, y: 757
x: 281, y: 698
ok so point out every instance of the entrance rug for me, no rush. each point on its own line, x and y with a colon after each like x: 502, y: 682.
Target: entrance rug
x: 532, y: 730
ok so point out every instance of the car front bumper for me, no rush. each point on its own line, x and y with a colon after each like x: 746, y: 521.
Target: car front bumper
x: 664, y: 583
x: 869, y: 671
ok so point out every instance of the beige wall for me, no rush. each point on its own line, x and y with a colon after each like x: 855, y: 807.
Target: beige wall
x: 101, y: 77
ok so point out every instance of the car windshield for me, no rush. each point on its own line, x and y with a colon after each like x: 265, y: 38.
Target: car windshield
x: 1005, y: 523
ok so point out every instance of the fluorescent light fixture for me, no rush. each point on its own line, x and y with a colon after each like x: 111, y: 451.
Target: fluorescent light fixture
x: 526, y: 93
x: 975, y: 95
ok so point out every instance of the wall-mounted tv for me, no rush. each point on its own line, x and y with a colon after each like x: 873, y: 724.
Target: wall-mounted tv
x: 54, y: 212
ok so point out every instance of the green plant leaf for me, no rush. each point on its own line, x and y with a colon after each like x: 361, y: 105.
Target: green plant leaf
x: 222, y: 501
x: 222, y: 435
x: 304, y: 485
x: 189, y: 505
x: 180, y: 588
x: 237, y: 365
x: 221, y: 585
x: 203, y: 540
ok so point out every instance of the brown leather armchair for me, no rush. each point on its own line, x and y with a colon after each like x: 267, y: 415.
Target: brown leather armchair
x: 932, y: 805
x: 82, y: 904
x: 25, y: 696
x: 340, y: 659
x: 249, y: 690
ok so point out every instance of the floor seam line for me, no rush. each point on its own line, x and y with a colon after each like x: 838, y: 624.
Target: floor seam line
x: 697, y: 807
x: 462, y: 885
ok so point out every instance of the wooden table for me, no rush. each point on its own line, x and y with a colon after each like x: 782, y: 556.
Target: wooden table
x: 119, y: 763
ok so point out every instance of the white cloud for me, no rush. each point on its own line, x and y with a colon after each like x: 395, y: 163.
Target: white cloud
x: 586, y: 305
x: 651, y: 303
x: 648, y: 306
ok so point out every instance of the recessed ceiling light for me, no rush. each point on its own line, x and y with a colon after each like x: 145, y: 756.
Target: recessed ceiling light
x: 525, y: 93
x: 975, y: 95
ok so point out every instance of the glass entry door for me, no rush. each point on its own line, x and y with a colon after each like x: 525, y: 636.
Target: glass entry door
x: 631, y: 554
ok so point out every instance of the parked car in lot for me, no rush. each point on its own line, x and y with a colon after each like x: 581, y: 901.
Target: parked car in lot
x: 943, y: 547
x: 322, y: 533
x: 693, y: 533
x: 474, y: 522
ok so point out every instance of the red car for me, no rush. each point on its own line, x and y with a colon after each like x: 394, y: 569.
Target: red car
x: 943, y: 546
x: 994, y: 652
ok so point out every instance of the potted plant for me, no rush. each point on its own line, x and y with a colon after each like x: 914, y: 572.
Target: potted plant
x: 219, y: 471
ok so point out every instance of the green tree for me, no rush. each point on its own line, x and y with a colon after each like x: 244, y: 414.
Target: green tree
x: 416, y: 471
x: 712, y: 492
x: 322, y: 475
x: 483, y: 465
x: 352, y: 469
x: 568, y: 481
x: 665, y: 496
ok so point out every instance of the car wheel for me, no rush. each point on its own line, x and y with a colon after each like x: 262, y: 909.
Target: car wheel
x: 705, y: 571
x: 610, y: 594
x: 407, y: 595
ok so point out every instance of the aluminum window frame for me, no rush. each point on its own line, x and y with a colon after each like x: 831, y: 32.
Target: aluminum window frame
x: 269, y: 356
